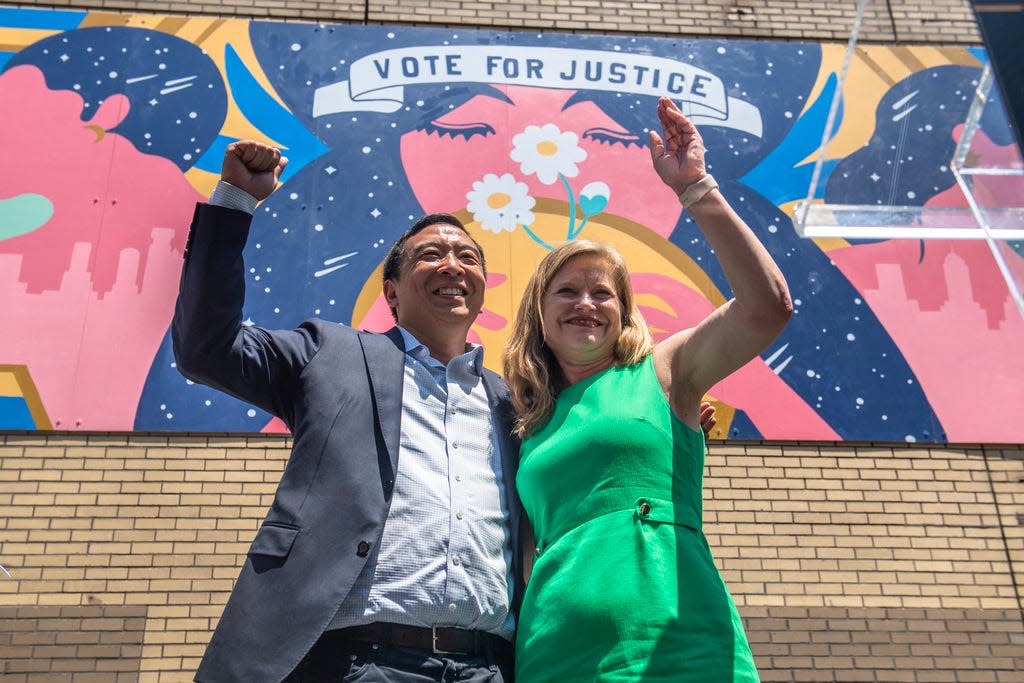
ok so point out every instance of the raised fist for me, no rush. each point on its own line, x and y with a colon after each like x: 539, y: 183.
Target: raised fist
x: 253, y: 166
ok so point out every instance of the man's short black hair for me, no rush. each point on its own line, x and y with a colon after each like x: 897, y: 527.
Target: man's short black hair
x: 393, y: 260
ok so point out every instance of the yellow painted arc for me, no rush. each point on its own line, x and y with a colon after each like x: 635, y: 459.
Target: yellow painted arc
x: 203, y: 181
x: 17, y: 39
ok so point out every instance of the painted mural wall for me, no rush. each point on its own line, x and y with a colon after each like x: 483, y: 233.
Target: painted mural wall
x: 113, y: 126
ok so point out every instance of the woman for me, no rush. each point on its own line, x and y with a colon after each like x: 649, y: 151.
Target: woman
x: 623, y: 586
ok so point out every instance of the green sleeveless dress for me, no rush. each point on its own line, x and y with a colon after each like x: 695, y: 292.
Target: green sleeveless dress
x: 624, y: 587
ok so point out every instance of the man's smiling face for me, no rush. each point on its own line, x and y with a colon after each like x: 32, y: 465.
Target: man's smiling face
x: 441, y: 281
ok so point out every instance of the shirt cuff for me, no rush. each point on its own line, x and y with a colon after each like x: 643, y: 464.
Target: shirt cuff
x: 228, y: 196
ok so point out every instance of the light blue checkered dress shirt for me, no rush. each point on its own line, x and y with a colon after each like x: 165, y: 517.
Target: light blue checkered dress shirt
x: 445, y: 557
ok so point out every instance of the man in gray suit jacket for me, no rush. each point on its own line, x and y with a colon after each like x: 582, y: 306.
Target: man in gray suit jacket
x: 390, y: 552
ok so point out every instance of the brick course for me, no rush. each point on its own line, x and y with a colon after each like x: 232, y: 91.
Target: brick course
x: 940, y: 21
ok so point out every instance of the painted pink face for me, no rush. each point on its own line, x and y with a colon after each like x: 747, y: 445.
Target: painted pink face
x: 70, y: 182
x: 91, y: 235
x: 443, y: 168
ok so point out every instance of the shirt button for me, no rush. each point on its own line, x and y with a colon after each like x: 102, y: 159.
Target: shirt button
x: 454, y: 410
x: 458, y: 515
x: 456, y: 561
x: 458, y: 477
x: 451, y: 607
x: 363, y: 549
x: 455, y: 444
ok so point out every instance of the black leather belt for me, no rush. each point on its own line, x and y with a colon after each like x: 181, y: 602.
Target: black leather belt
x: 441, y: 640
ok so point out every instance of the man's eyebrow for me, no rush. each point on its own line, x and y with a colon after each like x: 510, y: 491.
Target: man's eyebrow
x: 443, y: 244
x: 423, y: 246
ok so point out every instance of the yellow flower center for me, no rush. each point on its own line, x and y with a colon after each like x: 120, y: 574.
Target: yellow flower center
x: 498, y: 200
x: 547, y: 148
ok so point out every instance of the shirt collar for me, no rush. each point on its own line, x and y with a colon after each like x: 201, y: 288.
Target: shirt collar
x: 415, y: 348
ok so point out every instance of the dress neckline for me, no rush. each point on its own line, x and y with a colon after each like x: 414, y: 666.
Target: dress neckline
x: 592, y: 379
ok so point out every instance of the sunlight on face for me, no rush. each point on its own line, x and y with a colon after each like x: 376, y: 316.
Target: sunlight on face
x: 582, y: 312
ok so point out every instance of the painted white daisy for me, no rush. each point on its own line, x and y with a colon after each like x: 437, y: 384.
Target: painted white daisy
x: 548, y: 152
x: 500, y: 203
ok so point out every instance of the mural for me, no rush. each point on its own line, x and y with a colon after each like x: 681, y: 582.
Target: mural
x: 113, y: 126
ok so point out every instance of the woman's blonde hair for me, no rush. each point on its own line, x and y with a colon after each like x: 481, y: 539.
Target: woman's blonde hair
x: 531, y: 371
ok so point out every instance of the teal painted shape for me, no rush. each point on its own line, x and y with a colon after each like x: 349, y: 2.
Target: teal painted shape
x: 591, y: 206
x: 22, y: 214
x: 14, y: 413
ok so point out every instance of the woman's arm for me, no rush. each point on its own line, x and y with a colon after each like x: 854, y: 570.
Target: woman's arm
x: 691, y: 361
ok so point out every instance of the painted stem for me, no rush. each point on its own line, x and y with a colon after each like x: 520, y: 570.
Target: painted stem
x: 535, y: 238
x: 572, y: 208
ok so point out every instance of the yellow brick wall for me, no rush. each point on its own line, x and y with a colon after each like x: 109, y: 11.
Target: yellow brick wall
x: 848, y: 561
x: 914, y: 21
x: 868, y: 525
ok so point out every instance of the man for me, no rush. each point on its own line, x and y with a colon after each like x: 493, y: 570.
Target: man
x: 406, y: 428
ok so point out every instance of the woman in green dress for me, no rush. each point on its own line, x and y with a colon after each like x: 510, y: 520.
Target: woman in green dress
x: 623, y: 585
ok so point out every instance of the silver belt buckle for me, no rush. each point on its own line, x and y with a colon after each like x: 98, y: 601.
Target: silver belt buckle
x: 433, y: 641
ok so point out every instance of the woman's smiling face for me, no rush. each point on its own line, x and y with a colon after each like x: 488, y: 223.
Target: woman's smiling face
x: 582, y: 312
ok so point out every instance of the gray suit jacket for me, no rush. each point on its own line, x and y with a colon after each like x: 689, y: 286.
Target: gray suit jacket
x: 339, y: 391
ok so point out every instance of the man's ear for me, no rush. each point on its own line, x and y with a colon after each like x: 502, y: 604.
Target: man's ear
x: 391, y: 293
